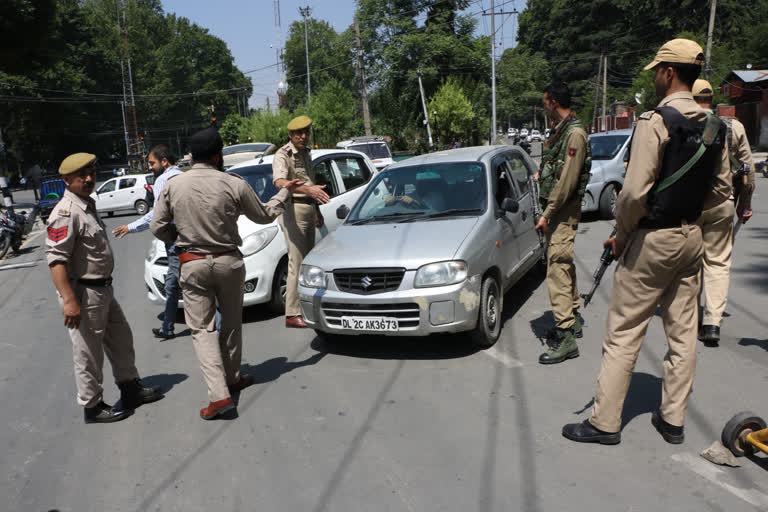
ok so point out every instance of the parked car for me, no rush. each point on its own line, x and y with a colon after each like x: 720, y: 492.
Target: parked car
x: 430, y: 247
x: 238, y: 153
x: 524, y: 133
x: 265, y: 255
x: 534, y: 136
x: 547, y: 132
x: 51, y: 191
x: 123, y: 193
x: 610, y: 151
x: 372, y: 145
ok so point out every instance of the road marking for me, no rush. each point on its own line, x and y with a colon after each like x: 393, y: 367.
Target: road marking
x: 32, y: 236
x: 504, y: 358
x: 714, y: 474
x: 19, y: 265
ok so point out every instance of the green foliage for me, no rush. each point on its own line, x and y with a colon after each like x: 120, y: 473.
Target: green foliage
x: 452, y: 111
x: 521, y: 75
x: 333, y: 110
x: 265, y: 126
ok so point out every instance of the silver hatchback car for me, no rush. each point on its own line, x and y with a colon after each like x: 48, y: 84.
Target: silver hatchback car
x: 430, y: 247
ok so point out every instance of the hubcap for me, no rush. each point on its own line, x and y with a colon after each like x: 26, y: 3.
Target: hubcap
x: 491, y: 311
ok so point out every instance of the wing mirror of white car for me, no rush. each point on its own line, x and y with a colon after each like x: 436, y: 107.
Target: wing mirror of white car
x: 510, y: 205
x: 342, y: 212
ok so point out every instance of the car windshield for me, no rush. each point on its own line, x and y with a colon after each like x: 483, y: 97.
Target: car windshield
x: 421, y: 192
x: 259, y: 177
x: 374, y: 150
x: 245, y: 148
x: 605, y: 147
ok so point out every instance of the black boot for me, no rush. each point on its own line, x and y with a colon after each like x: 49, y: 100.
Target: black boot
x: 670, y: 433
x: 104, y: 413
x: 584, y: 432
x: 133, y: 394
x: 710, y: 335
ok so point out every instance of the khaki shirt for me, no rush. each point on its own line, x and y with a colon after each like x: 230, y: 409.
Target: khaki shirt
x: 291, y: 164
x: 77, y: 238
x: 648, y: 143
x: 202, y: 206
x: 743, y: 154
x: 562, y: 203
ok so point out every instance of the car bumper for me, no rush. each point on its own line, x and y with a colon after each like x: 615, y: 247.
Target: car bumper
x: 420, y: 311
x: 590, y: 201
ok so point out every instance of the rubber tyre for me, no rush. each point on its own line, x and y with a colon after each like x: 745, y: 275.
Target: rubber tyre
x: 276, y: 302
x: 607, y: 204
x: 5, y: 243
x: 737, y: 426
x: 109, y: 214
x: 141, y: 207
x: 488, y: 328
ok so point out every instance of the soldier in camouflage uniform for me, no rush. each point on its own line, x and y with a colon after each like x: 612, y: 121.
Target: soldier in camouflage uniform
x: 565, y: 165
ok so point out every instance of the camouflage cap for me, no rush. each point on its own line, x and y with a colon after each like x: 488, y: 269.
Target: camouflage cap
x: 683, y: 51
x: 299, y: 123
x: 74, y: 163
x: 702, y: 88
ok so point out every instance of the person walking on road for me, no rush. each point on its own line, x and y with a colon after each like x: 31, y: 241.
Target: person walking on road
x: 81, y: 262
x: 302, y: 216
x: 717, y: 223
x: 678, y: 167
x: 565, y: 165
x: 161, y: 162
x: 199, y: 210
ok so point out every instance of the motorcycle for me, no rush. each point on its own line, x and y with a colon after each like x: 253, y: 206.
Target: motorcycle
x: 14, y: 227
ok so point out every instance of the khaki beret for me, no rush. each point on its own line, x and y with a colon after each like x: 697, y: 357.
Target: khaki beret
x: 74, y: 163
x: 702, y: 88
x: 299, y: 123
x: 683, y: 51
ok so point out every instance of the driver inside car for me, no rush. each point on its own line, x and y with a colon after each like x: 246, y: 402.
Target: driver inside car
x: 427, y: 193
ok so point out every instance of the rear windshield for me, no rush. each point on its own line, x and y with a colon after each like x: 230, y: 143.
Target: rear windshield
x: 245, y: 148
x: 606, y: 147
x: 259, y: 177
x: 374, y: 150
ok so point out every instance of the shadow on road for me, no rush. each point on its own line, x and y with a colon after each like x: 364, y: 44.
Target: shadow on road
x: 644, y: 396
x: 272, y: 369
x: 747, y: 342
x: 165, y: 381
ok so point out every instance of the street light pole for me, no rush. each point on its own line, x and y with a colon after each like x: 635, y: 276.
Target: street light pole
x: 305, y: 11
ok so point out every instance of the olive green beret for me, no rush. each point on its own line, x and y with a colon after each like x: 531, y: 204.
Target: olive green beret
x: 74, y: 163
x: 299, y: 123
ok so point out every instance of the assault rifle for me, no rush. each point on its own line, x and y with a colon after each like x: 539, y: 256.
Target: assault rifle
x: 605, y: 260
x: 534, y: 186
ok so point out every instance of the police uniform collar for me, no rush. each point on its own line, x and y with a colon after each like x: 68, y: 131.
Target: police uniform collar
x: 294, y: 150
x: 199, y: 166
x: 682, y: 95
x: 79, y: 201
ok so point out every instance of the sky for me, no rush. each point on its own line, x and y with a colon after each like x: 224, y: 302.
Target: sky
x: 249, y: 29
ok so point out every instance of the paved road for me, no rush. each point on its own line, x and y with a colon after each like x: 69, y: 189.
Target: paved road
x: 374, y: 424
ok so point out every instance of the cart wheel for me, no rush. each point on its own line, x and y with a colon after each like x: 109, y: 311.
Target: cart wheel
x: 735, y: 432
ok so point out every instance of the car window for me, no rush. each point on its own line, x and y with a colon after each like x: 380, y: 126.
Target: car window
x: 127, y: 183
x: 605, y: 147
x: 353, y: 171
x: 150, y: 179
x: 502, y: 187
x: 107, y: 187
x: 259, y: 177
x: 324, y: 176
x: 518, y: 171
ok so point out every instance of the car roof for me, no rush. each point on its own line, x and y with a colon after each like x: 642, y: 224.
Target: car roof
x: 316, y: 153
x: 624, y: 131
x: 468, y: 154
x: 244, y: 144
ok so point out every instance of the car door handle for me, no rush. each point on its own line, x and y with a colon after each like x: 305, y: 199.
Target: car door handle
x: 133, y: 191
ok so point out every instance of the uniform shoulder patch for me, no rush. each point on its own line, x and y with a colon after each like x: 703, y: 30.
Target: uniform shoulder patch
x: 57, y: 234
x: 64, y: 213
x: 647, y: 114
x: 286, y: 149
x: 571, y: 151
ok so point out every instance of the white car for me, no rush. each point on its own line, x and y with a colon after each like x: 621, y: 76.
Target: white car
x: 535, y: 135
x: 524, y: 133
x: 346, y: 174
x: 372, y: 145
x: 239, y: 153
x: 123, y: 193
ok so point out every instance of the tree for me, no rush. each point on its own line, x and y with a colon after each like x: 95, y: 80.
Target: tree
x: 452, y: 110
x: 334, y: 114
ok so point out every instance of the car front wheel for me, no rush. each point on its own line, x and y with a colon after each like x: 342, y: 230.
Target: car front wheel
x: 608, y: 201
x: 279, y: 283
x: 141, y: 207
x: 488, y: 327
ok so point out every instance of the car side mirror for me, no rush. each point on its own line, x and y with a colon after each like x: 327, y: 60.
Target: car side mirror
x: 510, y: 205
x: 342, y: 212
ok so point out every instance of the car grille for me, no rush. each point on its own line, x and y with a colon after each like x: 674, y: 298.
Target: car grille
x: 366, y: 281
x: 406, y: 313
x: 160, y: 287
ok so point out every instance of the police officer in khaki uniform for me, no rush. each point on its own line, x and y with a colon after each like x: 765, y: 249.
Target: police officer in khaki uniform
x: 199, y: 210
x: 302, y: 215
x: 660, y: 246
x: 717, y: 223
x: 564, y: 175
x: 81, y: 263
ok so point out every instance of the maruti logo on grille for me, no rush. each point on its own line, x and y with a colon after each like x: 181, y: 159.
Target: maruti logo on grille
x: 366, y: 282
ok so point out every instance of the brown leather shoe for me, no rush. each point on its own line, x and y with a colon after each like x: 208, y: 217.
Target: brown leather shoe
x: 295, y: 322
x: 241, y: 384
x: 218, y: 408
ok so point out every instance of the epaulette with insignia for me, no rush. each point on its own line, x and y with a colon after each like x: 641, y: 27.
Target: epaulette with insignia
x: 63, y: 213
x: 236, y: 175
x: 647, y: 114
x: 286, y: 149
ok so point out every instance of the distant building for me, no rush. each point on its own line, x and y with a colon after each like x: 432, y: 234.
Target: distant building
x: 747, y: 92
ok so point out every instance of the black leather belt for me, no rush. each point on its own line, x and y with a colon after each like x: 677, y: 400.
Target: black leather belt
x: 304, y: 200
x: 96, y: 282
x: 661, y: 224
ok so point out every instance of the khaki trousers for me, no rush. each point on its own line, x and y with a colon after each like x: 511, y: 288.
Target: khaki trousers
x: 561, y: 274
x: 658, y: 267
x: 204, y: 283
x: 717, y: 232
x: 298, y: 223
x: 103, y: 330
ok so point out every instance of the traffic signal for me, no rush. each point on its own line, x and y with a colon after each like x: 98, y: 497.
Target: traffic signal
x: 213, y: 115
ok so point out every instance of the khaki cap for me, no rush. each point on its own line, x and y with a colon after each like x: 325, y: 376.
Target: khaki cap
x: 74, y: 163
x: 683, y: 51
x: 299, y: 123
x: 702, y: 88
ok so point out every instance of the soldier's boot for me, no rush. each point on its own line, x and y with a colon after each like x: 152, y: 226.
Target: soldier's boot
x: 562, y: 346
x: 578, y: 324
x: 104, y: 413
x: 134, y: 394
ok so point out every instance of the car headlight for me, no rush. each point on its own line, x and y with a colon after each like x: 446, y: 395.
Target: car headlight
x: 312, y: 277
x: 440, y: 274
x: 152, y: 251
x: 255, y: 242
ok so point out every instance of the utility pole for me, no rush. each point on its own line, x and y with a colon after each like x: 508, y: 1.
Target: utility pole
x: 129, y: 102
x: 125, y: 131
x: 708, y: 56
x: 363, y: 92
x: 605, y: 90
x: 305, y: 11
x: 597, y: 90
x: 426, y: 115
x: 493, y: 74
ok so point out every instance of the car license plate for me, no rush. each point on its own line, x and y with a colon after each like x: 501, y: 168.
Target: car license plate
x: 369, y: 323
